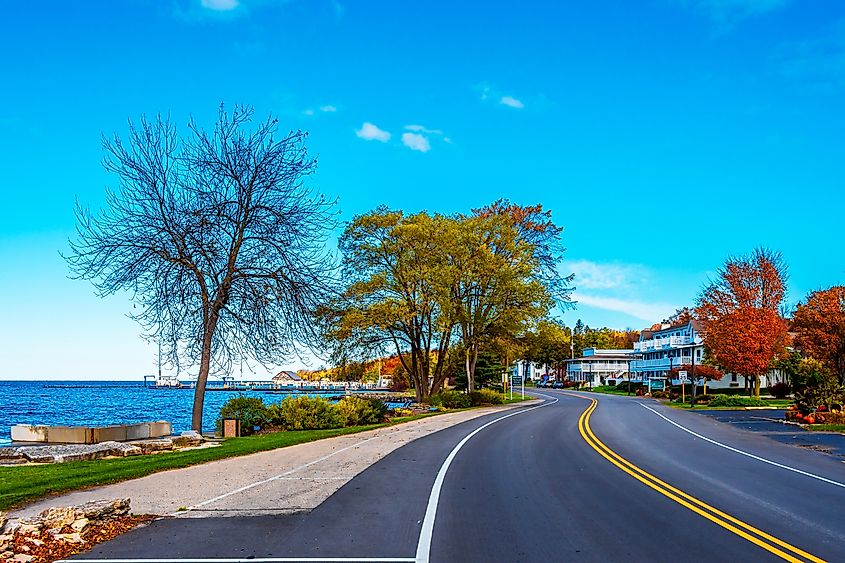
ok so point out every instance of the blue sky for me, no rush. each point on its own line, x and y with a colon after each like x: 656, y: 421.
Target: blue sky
x: 664, y: 135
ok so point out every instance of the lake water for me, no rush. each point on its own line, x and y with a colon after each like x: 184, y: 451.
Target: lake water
x: 99, y: 403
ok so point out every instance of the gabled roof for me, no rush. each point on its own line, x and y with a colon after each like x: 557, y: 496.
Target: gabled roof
x: 286, y: 376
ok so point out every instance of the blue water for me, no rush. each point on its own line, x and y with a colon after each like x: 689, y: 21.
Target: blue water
x: 99, y: 403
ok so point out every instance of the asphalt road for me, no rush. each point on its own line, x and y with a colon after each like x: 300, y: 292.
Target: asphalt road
x: 531, y: 487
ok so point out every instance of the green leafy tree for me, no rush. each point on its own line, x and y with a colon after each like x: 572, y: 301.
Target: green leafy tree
x: 398, y: 298
x: 495, y: 281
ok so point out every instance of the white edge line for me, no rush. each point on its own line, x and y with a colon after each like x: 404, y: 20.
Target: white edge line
x: 427, y: 530
x: 741, y: 452
x: 247, y: 560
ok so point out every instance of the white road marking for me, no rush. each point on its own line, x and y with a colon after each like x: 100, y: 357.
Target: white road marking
x: 270, y: 479
x: 424, y: 544
x: 250, y: 560
x: 741, y: 452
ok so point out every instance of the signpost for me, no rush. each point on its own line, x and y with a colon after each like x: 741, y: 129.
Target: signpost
x: 682, y: 375
x: 517, y: 378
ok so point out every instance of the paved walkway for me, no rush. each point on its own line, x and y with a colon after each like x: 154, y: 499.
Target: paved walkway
x: 280, y: 481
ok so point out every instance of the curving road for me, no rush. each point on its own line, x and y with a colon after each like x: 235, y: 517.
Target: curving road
x: 581, y: 477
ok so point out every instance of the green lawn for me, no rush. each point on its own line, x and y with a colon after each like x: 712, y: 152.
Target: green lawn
x: 517, y: 398
x: 826, y: 427
x: 770, y: 403
x: 26, y: 483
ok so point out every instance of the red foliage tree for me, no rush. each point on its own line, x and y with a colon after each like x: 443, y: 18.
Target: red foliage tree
x: 819, y: 325
x: 743, y: 329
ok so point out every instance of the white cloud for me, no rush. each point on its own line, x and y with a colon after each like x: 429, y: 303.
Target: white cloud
x: 423, y: 129
x: 510, y: 101
x: 328, y: 109
x: 593, y: 275
x: 649, y: 312
x: 370, y: 132
x: 308, y: 112
x: 416, y: 142
x: 220, y: 5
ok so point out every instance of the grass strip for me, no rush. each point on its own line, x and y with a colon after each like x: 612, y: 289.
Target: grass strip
x: 826, y: 427
x: 22, y: 484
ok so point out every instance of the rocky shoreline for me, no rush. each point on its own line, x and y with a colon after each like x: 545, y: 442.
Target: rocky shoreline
x: 62, y: 453
x: 61, y: 532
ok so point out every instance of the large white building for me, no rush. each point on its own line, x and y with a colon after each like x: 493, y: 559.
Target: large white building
x: 600, y: 367
x: 673, y: 346
x: 660, y: 351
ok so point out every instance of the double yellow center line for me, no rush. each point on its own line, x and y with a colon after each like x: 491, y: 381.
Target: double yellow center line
x: 738, y: 527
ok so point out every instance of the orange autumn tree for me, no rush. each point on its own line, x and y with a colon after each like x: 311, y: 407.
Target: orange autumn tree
x: 743, y: 328
x: 819, y: 325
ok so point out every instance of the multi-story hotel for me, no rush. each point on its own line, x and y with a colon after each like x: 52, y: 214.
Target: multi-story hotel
x: 660, y: 351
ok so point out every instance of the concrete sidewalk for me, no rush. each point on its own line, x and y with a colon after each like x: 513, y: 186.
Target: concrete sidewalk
x: 280, y: 481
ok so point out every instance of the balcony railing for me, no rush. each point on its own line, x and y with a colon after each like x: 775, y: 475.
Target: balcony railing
x: 662, y: 343
x: 611, y: 366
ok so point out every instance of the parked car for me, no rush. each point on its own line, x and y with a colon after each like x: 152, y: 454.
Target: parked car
x: 558, y: 385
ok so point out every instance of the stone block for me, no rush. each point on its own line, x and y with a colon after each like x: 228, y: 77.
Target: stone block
x: 115, y: 433
x: 138, y: 431
x: 160, y: 428
x: 69, y: 435
x: 27, y: 433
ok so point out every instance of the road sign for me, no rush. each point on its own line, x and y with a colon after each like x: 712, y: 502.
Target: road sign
x: 682, y: 374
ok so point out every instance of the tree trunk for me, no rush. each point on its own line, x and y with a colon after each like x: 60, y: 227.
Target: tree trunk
x: 471, y: 362
x: 202, y: 378
x: 757, y: 386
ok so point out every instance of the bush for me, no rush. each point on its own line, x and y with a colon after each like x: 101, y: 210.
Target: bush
x: 306, y: 413
x: 623, y: 386
x: 485, y: 397
x: 251, y: 411
x: 450, y: 399
x: 360, y: 410
x: 734, y: 401
x: 779, y: 390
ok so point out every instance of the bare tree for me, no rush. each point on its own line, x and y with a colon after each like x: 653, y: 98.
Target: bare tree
x: 216, y: 237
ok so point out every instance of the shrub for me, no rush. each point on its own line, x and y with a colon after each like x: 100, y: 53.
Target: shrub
x: 623, y: 386
x: 251, y: 411
x: 360, y: 410
x: 450, y: 399
x: 306, y: 413
x: 735, y: 401
x: 779, y: 390
x: 485, y: 397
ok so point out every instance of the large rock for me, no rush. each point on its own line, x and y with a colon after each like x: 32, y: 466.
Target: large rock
x: 153, y: 446
x: 104, y: 509
x: 77, y: 452
x: 187, y: 439
x: 9, y: 453
x: 58, y: 517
